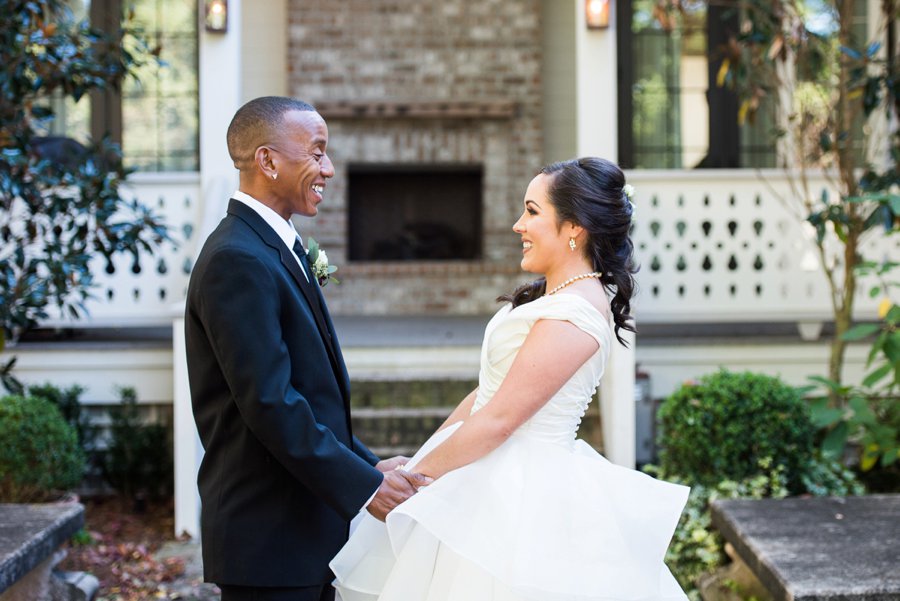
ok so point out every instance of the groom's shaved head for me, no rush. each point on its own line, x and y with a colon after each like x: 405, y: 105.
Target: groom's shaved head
x: 257, y: 123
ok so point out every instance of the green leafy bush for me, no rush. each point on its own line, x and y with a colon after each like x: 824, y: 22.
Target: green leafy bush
x: 737, y: 435
x: 138, y: 461
x: 696, y: 547
x: 826, y: 477
x: 725, y: 425
x: 861, y: 424
x: 68, y: 401
x: 39, y: 456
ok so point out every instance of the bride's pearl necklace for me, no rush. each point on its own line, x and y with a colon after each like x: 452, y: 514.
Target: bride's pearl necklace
x: 572, y: 280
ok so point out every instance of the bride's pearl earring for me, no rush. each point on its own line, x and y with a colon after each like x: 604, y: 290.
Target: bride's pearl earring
x: 572, y: 244
x: 274, y: 176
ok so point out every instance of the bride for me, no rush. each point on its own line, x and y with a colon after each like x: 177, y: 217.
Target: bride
x: 519, y: 509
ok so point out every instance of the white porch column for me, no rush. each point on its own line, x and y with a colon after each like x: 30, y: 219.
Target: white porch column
x: 188, y: 450
x: 595, y: 87
x: 220, y: 72
x: 617, y: 404
x: 597, y: 135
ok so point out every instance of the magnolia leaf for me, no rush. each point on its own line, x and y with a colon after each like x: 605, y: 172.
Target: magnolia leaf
x: 872, y: 95
x: 890, y: 455
x: 830, y: 384
x: 873, y: 48
x: 893, y: 315
x: 894, y: 200
x: 835, y: 441
x: 742, y: 112
x: 892, y: 346
x: 861, y: 331
x: 876, y: 348
x: 854, y: 54
x: 874, y: 377
x: 869, y: 457
x: 840, y: 232
x: 723, y: 72
x: 884, y: 308
x: 826, y: 417
x: 862, y: 413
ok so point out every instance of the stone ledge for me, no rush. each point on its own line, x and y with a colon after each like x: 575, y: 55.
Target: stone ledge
x: 29, y: 534
x: 818, y: 549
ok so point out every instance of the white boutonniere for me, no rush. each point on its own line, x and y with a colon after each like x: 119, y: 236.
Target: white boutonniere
x: 318, y: 260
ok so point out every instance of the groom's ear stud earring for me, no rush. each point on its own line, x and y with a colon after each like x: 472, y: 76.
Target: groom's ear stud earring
x: 572, y: 244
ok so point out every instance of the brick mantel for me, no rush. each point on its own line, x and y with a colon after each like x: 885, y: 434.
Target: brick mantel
x: 416, y: 109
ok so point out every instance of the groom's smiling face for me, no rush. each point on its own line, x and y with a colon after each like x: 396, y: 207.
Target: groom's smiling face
x: 303, y: 166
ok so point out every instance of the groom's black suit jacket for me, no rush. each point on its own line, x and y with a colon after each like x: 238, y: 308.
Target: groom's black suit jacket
x: 282, y: 474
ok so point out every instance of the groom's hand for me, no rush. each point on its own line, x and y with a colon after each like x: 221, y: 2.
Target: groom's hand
x: 393, y: 463
x: 397, y: 486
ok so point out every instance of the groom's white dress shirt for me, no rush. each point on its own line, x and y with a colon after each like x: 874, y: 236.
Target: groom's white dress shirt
x: 283, y: 227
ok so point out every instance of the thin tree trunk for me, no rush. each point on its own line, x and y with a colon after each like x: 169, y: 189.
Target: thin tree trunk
x: 843, y: 308
x: 846, y: 292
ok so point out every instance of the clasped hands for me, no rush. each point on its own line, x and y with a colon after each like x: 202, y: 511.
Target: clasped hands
x: 398, y: 485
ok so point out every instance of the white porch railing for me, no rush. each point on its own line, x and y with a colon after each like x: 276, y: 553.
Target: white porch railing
x: 714, y: 246
x: 146, y: 298
x: 721, y: 246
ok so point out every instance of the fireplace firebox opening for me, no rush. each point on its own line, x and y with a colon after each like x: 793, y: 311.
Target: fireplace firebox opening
x: 414, y: 212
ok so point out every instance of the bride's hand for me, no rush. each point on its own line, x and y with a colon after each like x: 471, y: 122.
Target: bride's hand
x: 387, y: 465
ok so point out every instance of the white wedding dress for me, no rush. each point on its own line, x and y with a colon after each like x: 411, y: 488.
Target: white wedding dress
x: 543, y: 517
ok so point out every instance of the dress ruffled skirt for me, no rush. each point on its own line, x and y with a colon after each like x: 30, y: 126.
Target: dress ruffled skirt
x: 530, y: 521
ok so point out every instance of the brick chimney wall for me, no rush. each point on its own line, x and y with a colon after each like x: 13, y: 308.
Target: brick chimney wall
x: 419, y: 82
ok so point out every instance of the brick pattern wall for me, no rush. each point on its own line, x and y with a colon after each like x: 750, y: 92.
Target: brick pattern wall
x: 396, y: 51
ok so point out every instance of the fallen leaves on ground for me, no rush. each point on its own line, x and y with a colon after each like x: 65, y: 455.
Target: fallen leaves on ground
x: 120, y: 549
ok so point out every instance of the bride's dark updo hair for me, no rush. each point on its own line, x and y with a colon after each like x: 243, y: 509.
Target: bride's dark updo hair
x: 589, y: 192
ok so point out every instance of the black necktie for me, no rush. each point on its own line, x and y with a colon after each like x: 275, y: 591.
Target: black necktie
x: 310, y: 284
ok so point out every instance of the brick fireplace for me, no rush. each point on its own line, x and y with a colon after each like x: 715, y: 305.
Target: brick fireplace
x: 410, y: 212
x: 436, y: 105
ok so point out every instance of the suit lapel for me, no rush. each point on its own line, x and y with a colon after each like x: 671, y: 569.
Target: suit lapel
x: 341, y: 367
x: 269, y: 236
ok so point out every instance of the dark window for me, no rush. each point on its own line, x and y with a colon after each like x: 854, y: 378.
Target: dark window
x: 419, y: 213
x: 156, y: 117
x: 672, y: 114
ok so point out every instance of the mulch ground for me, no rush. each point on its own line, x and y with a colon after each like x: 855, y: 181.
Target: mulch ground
x: 119, y: 546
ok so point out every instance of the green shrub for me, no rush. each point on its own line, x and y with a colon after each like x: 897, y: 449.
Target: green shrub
x: 825, y: 477
x: 39, y: 455
x: 724, y: 426
x: 138, y: 462
x: 696, y: 547
x: 68, y: 401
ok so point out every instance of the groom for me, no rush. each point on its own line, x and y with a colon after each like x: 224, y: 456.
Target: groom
x: 282, y: 474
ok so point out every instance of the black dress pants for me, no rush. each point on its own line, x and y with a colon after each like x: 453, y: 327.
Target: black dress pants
x: 261, y: 593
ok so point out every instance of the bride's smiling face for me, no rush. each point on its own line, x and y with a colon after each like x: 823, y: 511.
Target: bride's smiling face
x: 544, y: 242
